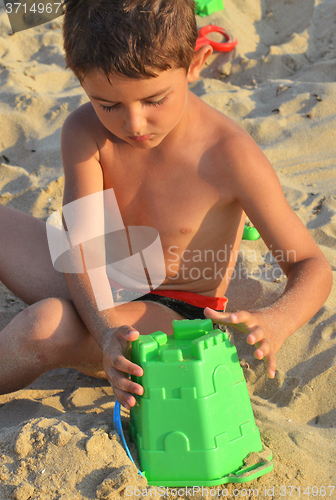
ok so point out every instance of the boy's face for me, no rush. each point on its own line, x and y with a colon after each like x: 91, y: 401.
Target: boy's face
x: 140, y: 112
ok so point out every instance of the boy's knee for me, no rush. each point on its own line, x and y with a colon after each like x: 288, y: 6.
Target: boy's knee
x: 54, y: 335
x: 50, y: 319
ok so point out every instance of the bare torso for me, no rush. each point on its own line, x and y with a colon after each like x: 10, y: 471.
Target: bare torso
x: 179, y: 190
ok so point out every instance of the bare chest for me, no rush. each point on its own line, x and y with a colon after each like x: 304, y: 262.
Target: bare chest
x: 166, y: 195
x: 190, y: 207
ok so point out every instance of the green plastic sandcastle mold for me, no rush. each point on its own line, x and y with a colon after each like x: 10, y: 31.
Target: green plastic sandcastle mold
x: 194, y: 424
x: 207, y: 7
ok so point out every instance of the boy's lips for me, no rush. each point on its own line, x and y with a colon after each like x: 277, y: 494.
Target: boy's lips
x: 141, y: 138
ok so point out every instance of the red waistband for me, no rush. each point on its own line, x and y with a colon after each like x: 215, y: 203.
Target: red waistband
x: 194, y: 299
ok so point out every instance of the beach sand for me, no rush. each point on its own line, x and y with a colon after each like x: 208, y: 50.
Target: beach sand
x: 56, y: 436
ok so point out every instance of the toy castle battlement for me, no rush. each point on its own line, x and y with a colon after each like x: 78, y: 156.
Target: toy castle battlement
x: 187, y: 359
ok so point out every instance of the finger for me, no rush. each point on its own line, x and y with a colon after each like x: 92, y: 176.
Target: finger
x: 241, y: 320
x: 119, y: 381
x: 124, y: 398
x: 127, y: 333
x: 223, y: 319
x: 125, y: 365
x: 219, y: 317
x: 255, y: 336
x: 270, y: 361
x: 243, y: 317
x: 263, y: 349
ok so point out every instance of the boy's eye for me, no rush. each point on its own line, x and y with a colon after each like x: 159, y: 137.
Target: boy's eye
x: 156, y: 103
x: 108, y: 109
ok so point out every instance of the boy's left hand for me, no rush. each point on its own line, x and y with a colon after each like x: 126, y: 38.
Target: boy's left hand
x: 258, y: 333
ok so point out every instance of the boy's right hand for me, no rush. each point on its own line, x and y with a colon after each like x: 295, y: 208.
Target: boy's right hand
x: 117, y: 367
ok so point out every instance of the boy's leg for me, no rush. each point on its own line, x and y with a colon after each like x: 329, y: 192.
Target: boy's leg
x: 25, y: 264
x: 50, y: 334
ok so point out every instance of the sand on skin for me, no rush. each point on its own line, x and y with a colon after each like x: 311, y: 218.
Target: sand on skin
x: 56, y: 436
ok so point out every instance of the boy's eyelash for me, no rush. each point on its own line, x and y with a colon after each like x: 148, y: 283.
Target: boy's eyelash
x: 108, y: 109
x: 157, y: 103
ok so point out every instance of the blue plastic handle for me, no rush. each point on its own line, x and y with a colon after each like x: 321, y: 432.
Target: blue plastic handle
x: 118, y: 428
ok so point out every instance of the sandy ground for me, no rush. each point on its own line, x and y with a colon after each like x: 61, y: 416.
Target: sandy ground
x: 56, y: 436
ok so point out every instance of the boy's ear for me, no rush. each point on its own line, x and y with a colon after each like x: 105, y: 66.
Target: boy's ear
x: 200, y: 56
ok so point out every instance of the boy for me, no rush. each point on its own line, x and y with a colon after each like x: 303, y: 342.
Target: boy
x: 176, y: 165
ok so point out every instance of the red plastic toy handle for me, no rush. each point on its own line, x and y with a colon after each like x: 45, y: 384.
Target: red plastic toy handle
x: 230, y: 43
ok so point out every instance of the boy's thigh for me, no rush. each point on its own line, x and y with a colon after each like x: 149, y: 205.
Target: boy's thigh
x: 72, y: 344
x: 145, y: 316
x: 25, y: 263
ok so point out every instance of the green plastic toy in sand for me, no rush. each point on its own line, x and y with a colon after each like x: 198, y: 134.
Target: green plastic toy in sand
x: 207, y: 7
x: 250, y: 233
x: 194, y: 424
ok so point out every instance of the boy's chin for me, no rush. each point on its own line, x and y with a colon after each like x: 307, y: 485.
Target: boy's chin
x: 149, y: 143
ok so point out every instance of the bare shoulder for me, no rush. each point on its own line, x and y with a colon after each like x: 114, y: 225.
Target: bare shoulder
x: 228, y: 148
x: 243, y: 167
x: 214, y: 120
x: 83, y: 117
x: 240, y: 162
x: 82, y: 132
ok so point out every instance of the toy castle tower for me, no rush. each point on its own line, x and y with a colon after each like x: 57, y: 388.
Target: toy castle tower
x: 194, y: 424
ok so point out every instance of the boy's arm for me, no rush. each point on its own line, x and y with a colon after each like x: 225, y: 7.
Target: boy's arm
x: 309, y: 276
x: 84, y: 177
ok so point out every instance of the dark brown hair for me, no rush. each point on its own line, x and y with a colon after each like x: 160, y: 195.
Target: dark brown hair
x: 129, y: 37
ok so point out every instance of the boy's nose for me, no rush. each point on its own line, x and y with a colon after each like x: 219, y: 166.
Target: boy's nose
x: 135, y: 122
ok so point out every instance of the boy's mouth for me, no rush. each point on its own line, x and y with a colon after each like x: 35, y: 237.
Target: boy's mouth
x: 141, y: 138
